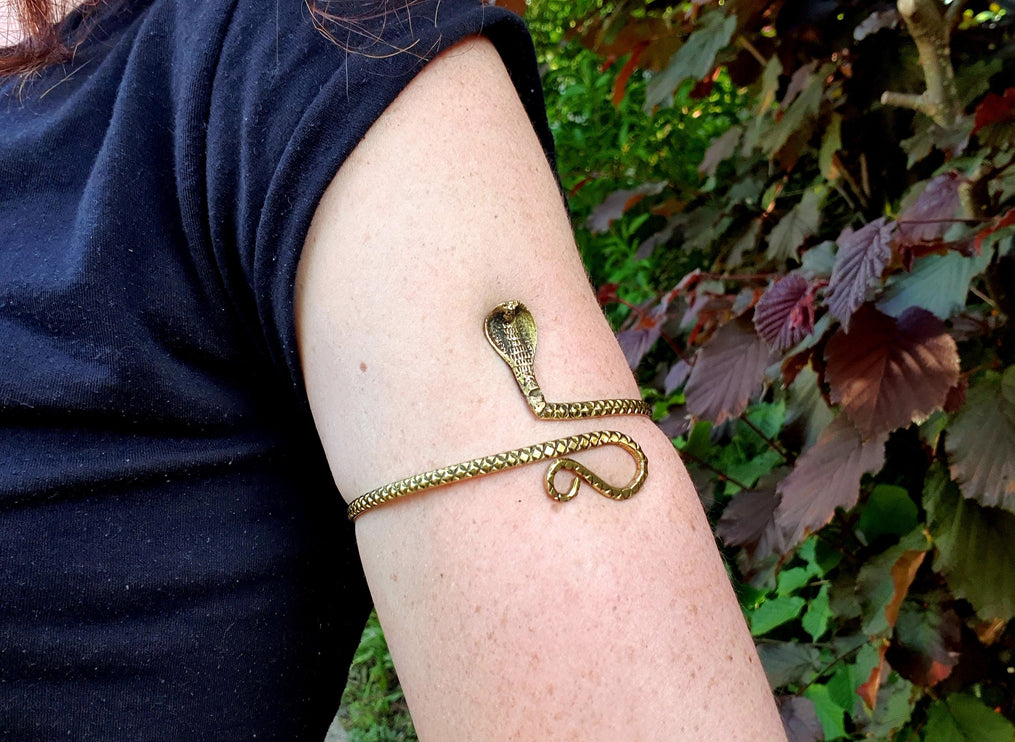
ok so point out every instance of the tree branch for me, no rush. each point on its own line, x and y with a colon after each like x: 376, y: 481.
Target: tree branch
x: 932, y: 35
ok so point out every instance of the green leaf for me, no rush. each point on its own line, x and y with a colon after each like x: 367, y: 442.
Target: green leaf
x: 893, y: 709
x: 889, y: 511
x: 830, y: 713
x: 775, y: 612
x: 789, y: 663
x: 981, y: 444
x: 791, y: 580
x: 884, y: 581
x: 694, y: 60
x: 750, y: 471
x: 831, y: 143
x: 769, y: 83
x: 818, y: 613
x: 975, y: 547
x: 937, y: 283
x: 964, y: 718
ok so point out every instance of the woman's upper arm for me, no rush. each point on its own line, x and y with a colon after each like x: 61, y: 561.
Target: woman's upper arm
x: 509, y: 616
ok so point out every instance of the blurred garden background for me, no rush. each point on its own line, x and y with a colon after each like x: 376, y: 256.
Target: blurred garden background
x: 799, y: 217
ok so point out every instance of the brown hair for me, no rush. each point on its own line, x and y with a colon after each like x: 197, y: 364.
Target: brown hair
x: 41, y: 44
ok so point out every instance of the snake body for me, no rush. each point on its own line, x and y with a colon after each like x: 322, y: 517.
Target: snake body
x: 511, y: 331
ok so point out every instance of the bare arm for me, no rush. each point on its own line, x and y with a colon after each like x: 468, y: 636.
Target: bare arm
x: 508, y: 616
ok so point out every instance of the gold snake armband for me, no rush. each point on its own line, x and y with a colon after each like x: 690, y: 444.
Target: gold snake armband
x: 511, y: 331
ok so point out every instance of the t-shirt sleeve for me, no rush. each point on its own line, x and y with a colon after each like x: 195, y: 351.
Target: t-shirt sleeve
x: 292, y: 96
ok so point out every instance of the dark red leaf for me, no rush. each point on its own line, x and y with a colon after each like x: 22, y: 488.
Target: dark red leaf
x: 720, y: 148
x: 676, y: 376
x: 616, y: 205
x: 749, y: 521
x: 995, y: 109
x: 800, y: 720
x: 926, y: 645
x: 956, y: 396
x: 785, y: 313
x: 826, y: 477
x: 888, y: 372
x: 728, y: 371
x: 928, y: 218
x: 638, y: 339
x: 620, y: 84
x: 861, y: 258
x: 868, y: 691
x: 1006, y: 220
x: 607, y: 294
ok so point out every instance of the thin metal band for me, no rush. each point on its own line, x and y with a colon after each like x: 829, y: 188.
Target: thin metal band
x: 511, y: 331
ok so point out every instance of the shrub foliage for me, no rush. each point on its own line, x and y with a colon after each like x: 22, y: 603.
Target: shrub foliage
x: 820, y: 314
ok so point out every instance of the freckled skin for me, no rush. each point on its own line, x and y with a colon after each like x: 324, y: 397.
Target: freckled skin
x: 622, y: 611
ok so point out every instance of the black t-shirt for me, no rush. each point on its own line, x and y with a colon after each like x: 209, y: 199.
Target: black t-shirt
x: 174, y: 558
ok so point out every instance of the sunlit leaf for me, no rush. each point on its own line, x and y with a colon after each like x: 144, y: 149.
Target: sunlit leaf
x: 826, y: 477
x: 886, y: 373
x: 861, y: 258
x: 974, y: 545
x: 981, y: 444
x: 964, y: 718
x: 694, y: 60
x: 937, y: 283
x: 774, y: 612
x: 729, y: 370
x: 818, y: 614
x: 799, y: 223
x: 785, y: 313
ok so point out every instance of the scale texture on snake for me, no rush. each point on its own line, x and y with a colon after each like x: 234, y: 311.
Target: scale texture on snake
x: 511, y: 330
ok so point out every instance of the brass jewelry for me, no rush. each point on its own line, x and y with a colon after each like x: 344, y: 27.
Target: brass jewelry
x: 511, y: 331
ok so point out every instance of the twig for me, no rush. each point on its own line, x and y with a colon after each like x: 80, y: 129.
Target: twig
x: 932, y: 35
x: 774, y: 445
x: 746, y: 44
x: 706, y: 465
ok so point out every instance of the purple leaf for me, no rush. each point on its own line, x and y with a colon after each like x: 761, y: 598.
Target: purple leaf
x: 800, y: 720
x: 861, y: 258
x: 749, y: 521
x: 676, y: 376
x: 826, y: 477
x: 877, y: 21
x: 616, y: 205
x: 887, y: 373
x: 785, y: 313
x: 720, y: 149
x: 928, y: 217
x: 728, y: 371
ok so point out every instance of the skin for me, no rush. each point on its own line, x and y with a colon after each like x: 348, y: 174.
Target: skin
x: 508, y: 616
